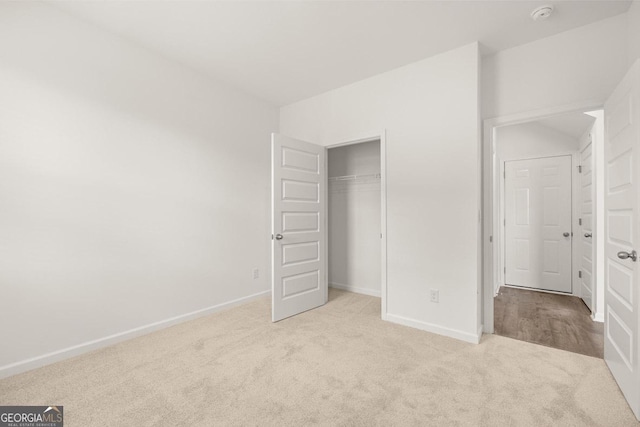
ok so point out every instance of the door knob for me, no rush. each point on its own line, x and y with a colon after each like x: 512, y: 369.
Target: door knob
x: 587, y: 235
x: 624, y: 255
x: 279, y: 236
x: 566, y: 234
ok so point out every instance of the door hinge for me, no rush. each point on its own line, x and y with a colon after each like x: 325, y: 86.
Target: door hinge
x: 580, y: 169
x: 580, y: 274
x: 272, y: 237
x: 579, y: 221
x: 490, y: 239
x: 381, y: 235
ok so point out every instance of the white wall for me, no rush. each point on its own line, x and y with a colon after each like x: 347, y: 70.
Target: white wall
x: 354, y: 218
x: 633, y: 32
x: 579, y: 65
x: 430, y: 111
x: 132, y: 190
x: 530, y: 140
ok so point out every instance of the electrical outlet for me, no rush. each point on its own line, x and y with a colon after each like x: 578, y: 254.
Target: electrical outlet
x: 256, y: 273
x: 434, y: 295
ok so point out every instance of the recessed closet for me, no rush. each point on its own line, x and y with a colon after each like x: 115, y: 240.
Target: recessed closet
x: 354, y: 217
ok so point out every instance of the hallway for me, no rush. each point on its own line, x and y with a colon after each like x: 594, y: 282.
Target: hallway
x: 558, y: 321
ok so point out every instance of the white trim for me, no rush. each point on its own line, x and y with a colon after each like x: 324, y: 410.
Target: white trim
x: 368, y: 137
x: 597, y: 317
x: 355, y: 289
x: 325, y: 197
x: 437, y: 329
x: 543, y: 113
x: 383, y: 222
x: 499, y: 238
x: 488, y: 140
x: 66, y: 353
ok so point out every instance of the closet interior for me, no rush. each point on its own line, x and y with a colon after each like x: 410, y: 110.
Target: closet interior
x: 354, y: 217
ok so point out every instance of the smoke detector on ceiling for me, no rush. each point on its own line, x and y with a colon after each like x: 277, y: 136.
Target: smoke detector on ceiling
x: 541, y: 13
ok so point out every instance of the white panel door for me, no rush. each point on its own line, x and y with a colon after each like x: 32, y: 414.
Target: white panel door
x: 298, y: 194
x: 622, y: 235
x: 586, y: 229
x: 538, y: 223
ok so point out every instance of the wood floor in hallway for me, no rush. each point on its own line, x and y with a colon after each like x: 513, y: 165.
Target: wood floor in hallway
x: 558, y: 321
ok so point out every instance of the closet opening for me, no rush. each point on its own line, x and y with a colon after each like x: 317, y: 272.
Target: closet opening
x: 355, y: 218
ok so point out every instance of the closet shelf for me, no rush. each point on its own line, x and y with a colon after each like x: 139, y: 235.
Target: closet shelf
x: 354, y: 177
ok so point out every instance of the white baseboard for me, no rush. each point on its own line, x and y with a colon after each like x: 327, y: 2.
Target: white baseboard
x: 66, y: 353
x: 356, y: 289
x: 597, y: 317
x: 436, y: 329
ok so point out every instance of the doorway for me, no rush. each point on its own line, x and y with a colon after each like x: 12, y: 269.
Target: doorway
x: 354, y: 217
x: 544, y: 204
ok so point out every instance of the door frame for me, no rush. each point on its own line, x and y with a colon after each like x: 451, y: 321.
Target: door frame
x: 490, y: 251
x: 359, y: 139
x: 500, y: 204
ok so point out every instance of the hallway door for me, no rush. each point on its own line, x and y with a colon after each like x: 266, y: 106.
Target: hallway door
x: 538, y: 223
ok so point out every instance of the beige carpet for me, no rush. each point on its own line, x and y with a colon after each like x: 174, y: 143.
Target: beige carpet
x: 336, y: 365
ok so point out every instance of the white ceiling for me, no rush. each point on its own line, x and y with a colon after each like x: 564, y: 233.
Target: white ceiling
x: 289, y: 50
x: 572, y: 124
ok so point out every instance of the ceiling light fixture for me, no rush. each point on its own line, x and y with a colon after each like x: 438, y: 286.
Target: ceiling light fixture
x: 541, y: 13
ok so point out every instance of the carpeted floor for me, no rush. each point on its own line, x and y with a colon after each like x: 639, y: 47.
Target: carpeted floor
x: 336, y: 365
